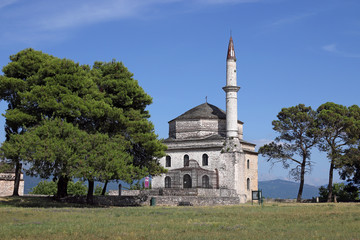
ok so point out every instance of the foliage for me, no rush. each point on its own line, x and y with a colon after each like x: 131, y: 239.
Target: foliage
x: 45, y: 187
x: 70, y: 120
x: 343, y: 193
x: 77, y: 188
x: 340, y: 132
x: 50, y: 188
x: 137, y: 186
x: 98, y: 190
x: 298, y: 134
x: 351, y: 165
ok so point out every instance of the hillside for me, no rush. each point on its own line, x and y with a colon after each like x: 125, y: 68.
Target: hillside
x: 286, y: 190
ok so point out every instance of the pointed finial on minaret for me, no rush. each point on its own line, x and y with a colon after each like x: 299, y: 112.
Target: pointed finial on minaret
x: 231, y: 51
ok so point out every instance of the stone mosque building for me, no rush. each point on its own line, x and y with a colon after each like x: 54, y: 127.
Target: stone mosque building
x: 206, y: 150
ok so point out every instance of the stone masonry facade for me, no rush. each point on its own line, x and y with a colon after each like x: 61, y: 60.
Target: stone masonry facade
x: 206, y: 149
x: 7, y: 184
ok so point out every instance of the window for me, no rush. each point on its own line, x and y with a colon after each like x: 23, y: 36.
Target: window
x: 168, y: 161
x: 205, y: 158
x: 248, y: 183
x: 248, y: 164
x: 167, y: 182
x: 205, y: 181
x: 187, y: 181
x: 186, y: 160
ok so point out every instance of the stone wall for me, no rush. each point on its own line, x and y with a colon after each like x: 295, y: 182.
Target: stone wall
x: 196, y: 128
x: 143, y: 200
x: 194, y: 200
x: 121, y: 201
x: 7, y: 184
x: 124, y: 192
x: 201, y: 192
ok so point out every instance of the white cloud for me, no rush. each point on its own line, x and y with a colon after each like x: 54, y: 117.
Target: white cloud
x: 50, y: 15
x: 37, y: 20
x: 4, y: 3
x: 332, y: 48
x: 292, y: 19
x: 79, y: 13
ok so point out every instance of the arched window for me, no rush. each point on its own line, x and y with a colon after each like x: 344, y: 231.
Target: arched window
x: 205, y: 158
x: 186, y: 160
x: 168, y: 161
x: 248, y: 164
x: 248, y: 183
x: 187, y: 181
x: 205, y: 181
x: 167, y: 182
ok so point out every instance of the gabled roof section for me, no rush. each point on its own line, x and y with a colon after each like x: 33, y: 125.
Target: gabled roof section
x: 203, y: 111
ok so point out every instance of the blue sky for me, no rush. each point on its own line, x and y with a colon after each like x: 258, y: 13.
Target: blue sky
x: 288, y: 52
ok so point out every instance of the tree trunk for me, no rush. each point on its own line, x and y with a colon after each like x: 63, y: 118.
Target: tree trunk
x: 90, y: 194
x: 302, y: 179
x: 62, y: 187
x: 104, y: 188
x: 18, y: 167
x: 330, y: 186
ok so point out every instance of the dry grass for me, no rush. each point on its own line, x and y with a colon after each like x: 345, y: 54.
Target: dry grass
x: 42, y: 218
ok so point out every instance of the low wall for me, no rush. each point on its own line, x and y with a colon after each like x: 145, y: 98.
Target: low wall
x: 7, y: 187
x: 121, y: 201
x: 143, y: 200
x: 124, y: 192
x: 194, y: 200
x: 201, y: 192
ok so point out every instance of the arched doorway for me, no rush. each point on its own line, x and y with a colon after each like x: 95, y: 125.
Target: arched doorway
x: 187, y: 181
x: 205, y: 181
x: 167, y: 182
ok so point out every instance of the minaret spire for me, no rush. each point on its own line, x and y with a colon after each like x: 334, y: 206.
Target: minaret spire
x: 231, y: 90
x: 231, y: 50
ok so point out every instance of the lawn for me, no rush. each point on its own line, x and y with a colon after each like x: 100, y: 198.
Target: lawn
x: 42, y: 218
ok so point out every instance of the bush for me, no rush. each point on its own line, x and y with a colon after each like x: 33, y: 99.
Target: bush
x: 45, y: 188
x: 344, y: 193
x: 98, y: 190
x: 77, y: 188
x: 50, y: 188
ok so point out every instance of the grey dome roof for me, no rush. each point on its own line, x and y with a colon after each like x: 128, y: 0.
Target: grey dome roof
x: 203, y: 111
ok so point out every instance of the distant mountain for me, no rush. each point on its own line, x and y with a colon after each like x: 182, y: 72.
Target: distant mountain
x: 286, y: 190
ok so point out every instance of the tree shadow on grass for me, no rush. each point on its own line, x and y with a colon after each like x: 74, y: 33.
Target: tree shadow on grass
x: 41, y: 202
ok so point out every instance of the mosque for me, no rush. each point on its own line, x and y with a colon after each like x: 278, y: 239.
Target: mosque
x: 206, y: 150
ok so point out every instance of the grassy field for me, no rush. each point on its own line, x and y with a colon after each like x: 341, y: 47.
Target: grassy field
x: 42, y: 218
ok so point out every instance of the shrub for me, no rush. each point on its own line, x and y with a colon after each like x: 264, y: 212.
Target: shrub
x: 344, y: 193
x: 45, y: 187
x: 50, y: 188
x: 77, y: 188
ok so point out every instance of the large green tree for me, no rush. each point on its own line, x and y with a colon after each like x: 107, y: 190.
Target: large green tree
x: 105, y: 103
x: 298, y: 134
x: 339, y: 126
x: 125, y: 95
x: 52, y: 149
x: 350, y: 169
x: 16, y: 79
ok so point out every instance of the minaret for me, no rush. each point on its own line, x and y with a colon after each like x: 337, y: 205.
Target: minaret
x: 231, y: 90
